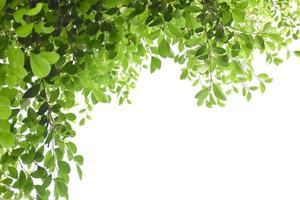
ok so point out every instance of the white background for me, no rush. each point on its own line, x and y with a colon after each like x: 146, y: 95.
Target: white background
x: 164, y: 147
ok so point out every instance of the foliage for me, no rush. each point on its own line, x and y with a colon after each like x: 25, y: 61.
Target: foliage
x: 52, y: 51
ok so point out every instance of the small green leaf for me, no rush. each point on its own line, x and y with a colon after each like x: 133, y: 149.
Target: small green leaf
x: 278, y: 61
x: 268, y: 28
x: 219, y: 50
x: 222, y: 60
x: 4, y: 125
x: 32, y: 92
x: 64, y: 167
x: 155, y: 64
x: 297, y: 53
x: 184, y: 74
x: 260, y: 41
x: 202, y: 95
x: 39, y: 65
x: 79, y: 171
x: 262, y: 87
x: 43, y: 108
x: 41, y: 28
x: 61, y: 187
x: 249, y: 96
x: 253, y: 88
x: 24, y: 30
x: 6, y: 139
x: 164, y: 49
x: 39, y: 173
x: 16, y: 57
x: 79, y: 159
x: 200, y: 51
x: 13, y: 172
x: 238, y: 15
x: 51, y: 57
x: 5, y: 110
x: 82, y: 122
x: 72, y: 147
x: 34, y: 11
x: 218, y: 91
x: 71, y: 116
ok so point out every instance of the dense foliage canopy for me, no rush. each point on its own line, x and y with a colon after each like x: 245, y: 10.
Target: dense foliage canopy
x: 52, y: 51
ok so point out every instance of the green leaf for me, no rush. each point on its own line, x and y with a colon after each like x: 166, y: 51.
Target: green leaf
x: 184, y: 74
x: 34, y: 11
x: 28, y: 187
x: 4, y: 126
x: 110, y: 3
x: 202, y: 95
x: 260, y: 41
x: 61, y: 187
x: 2, y: 4
x: 15, y: 57
x: 49, y: 161
x: 43, y: 108
x: 82, y: 122
x: 6, y: 139
x: 297, y: 53
x: 24, y: 30
x: 51, y: 57
x: 249, y: 96
x: 5, y: 110
x: 39, y: 65
x: 200, y: 51
x: 78, y: 159
x: 39, y: 173
x: 84, y: 6
x: 190, y: 20
x: 218, y: 91
x: 72, y: 147
x: 64, y: 167
x: 71, y: 116
x: 262, y: 87
x: 164, y: 49
x: 32, y: 92
x: 268, y: 28
x: 155, y: 64
x: 238, y: 15
x: 222, y: 60
x: 41, y: 28
x: 219, y: 50
x: 28, y: 158
x: 79, y: 171
x: 13, y: 172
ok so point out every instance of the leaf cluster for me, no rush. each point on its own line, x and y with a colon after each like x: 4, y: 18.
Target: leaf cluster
x: 52, y: 51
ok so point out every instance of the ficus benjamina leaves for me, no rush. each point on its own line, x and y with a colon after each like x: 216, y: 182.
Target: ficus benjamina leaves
x: 53, y: 51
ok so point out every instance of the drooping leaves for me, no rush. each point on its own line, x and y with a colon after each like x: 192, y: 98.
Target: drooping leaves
x: 50, y: 51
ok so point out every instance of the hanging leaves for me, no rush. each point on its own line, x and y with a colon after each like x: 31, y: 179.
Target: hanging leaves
x: 52, y: 50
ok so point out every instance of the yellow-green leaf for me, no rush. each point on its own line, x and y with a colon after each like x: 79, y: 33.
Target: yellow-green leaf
x: 35, y: 10
x: 6, y: 139
x: 2, y: 4
x: 51, y: 57
x: 24, y: 30
x: 218, y: 91
x: 164, y: 49
x: 39, y: 65
x: 5, y: 110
